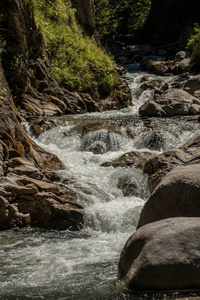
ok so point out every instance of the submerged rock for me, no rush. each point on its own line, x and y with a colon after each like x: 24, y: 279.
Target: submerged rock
x: 128, y: 186
x: 100, y: 138
x: 162, y: 256
x: 135, y: 159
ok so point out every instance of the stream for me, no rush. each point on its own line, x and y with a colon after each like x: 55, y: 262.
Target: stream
x: 37, y: 264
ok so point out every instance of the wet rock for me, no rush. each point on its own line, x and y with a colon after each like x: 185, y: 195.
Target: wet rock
x: 157, y: 85
x: 180, y: 80
x: 173, y: 102
x: 194, y: 109
x: 128, y: 186
x: 23, y: 166
x: 100, y: 138
x: 154, y: 140
x: 177, y: 195
x: 182, y: 66
x: 180, y: 56
x: 40, y: 108
x: 98, y: 147
x: 151, y: 109
x: 10, y: 216
x: 162, y: 256
x: 158, y: 166
x: 192, y: 85
x: 151, y: 64
x: 48, y: 205
x: 38, y: 127
x: 135, y: 159
x: 118, y: 99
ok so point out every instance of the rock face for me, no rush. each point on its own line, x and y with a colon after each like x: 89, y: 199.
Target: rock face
x: 27, y: 67
x: 27, y: 195
x: 163, y: 255
x: 85, y: 13
x: 177, y: 195
x: 173, y: 102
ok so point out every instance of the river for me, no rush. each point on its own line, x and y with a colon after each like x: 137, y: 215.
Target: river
x: 37, y: 264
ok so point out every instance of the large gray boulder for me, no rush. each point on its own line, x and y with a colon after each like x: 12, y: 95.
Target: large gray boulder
x: 177, y: 195
x: 163, y: 255
x: 171, y: 103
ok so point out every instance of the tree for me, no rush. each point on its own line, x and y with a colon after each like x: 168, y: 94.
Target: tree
x: 170, y: 21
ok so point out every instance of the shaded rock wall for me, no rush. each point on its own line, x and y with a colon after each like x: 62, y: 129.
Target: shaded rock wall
x: 169, y: 21
x: 85, y: 13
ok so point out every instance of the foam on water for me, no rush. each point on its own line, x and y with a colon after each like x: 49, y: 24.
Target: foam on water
x: 35, y: 264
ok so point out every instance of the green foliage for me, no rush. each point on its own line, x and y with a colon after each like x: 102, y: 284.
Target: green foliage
x: 125, y: 17
x: 193, y: 45
x: 77, y: 63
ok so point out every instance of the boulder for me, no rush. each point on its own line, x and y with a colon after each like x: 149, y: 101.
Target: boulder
x: 171, y: 103
x: 151, y: 109
x: 192, y: 85
x: 152, y: 64
x: 180, y: 55
x: 177, y: 195
x: 162, y: 256
x: 182, y: 66
x: 158, y: 166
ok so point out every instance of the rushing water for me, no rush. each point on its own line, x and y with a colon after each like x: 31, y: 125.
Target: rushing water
x: 36, y: 264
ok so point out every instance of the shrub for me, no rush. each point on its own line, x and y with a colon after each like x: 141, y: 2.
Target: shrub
x: 77, y: 63
x: 193, y: 45
x: 123, y: 16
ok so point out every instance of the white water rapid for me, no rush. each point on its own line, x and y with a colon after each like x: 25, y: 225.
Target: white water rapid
x: 36, y: 264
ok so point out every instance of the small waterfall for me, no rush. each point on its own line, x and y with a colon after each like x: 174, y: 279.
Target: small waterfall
x: 102, y: 141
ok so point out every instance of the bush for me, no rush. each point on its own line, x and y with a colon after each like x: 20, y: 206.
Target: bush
x: 77, y: 63
x: 123, y: 16
x: 193, y: 45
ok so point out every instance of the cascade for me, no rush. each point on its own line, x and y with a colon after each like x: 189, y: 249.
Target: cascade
x: 83, y: 265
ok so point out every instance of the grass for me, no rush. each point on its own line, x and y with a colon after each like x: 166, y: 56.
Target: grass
x: 77, y: 62
x: 193, y: 45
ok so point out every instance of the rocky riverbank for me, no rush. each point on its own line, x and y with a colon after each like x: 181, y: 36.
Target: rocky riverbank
x: 31, y: 193
x: 163, y: 254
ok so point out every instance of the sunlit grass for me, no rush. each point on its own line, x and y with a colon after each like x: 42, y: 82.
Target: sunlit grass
x: 77, y: 62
